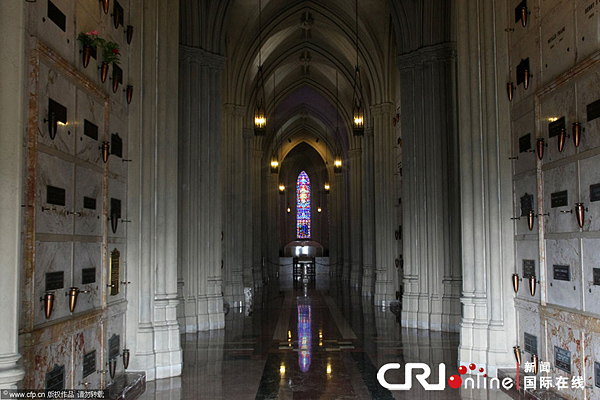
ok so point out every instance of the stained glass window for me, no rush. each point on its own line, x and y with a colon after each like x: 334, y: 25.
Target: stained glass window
x: 303, y: 206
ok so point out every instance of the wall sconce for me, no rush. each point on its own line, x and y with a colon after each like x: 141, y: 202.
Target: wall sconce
x: 576, y: 133
x: 524, y: 15
x: 57, y: 114
x: 274, y: 166
x: 48, y: 300
x: 129, y: 33
x: 126, y: 355
x: 327, y: 187
x: 510, y: 90
x: 532, y: 285
x: 515, y: 282
x: 534, y: 360
x: 540, y: 144
x: 517, y: 351
x: 319, y: 210
x: 104, y: 6
x: 112, y: 367
x: 105, y: 151
x: 562, y: 137
x: 281, y: 188
x: 289, y: 210
x: 129, y: 92
x: 337, y: 164
x: 580, y: 212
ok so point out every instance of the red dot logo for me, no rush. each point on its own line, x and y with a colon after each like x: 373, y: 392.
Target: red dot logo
x: 481, y: 370
x: 472, y: 367
x: 454, y: 381
x: 462, y: 370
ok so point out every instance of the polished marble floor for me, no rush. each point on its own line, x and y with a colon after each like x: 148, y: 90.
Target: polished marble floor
x: 315, y: 341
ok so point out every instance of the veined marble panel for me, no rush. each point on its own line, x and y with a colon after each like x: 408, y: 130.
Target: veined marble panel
x: 47, y: 356
x: 527, y: 250
x: 559, y: 103
x: 591, y: 260
x: 592, y: 355
x: 564, y: 293
x: 116, y: 326
x: 523, y: 50
x: 88, y: 184
x: 568, y: 338
x: 588, y: 91
x: 558, y: 180
x: 116, y: 164
x: 89, y: 108
x: 546, y: 6
x: 118, y: 190
x: 529, y: 322
x: 590, y: 175
x: 55, y: 86
x: 52, y: 257
x: 527, y: 185
x: 83, y: 343
x: 558, y: 41
x: 58, y: 173
x: 521, y: 127
x: 63, y: 42
x: 588, y: 19
x: 88, y: 255
x: 520, y: 32
x: 122, y: 272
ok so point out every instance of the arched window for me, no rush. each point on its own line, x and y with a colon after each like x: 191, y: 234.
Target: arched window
x: 303, y: 206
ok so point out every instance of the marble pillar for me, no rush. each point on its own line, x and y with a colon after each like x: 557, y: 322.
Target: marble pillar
x: 12, y: 126
x: 488, y: 323
x: 368, y: 215
x: 430, y: 189
x: 234, y: 185
x: 257, y: 219
x: 355, y: 168
x: 201, y: 234
x: 385, y: 197
x: 152, y: 193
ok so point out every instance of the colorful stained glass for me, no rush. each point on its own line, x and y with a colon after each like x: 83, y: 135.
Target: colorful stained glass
x: 303, y: 206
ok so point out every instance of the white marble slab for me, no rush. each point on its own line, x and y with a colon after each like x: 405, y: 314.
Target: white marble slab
x: 591, y: 260
x: 53, y: 218
x: 523, y: 50
x: 526, y: 161
x: 91, y: 109
x: 526, y: 185
x: 559, y: 103
x: 588, y: 19
x: 527, y: 250
x: 88, y: 255
x: 558, y: 41
x: 590, y: 175
x: 557, y: 180
x: 116, y: 165
x: 83, y: 343
x: 63, y: 42
x: 52, y: 257
x: 89, y: 184
x: 117, y: 190
x: 588, y: 91
x: 564, y: 293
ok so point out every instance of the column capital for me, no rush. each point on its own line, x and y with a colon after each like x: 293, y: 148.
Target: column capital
x: 354, y: 153
x: 201, y: 57
x: 248, y: 134
x: 424, y: 55
x: 382, y: 108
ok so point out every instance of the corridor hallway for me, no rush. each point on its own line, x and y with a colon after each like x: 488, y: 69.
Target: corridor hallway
x: 338, y: 342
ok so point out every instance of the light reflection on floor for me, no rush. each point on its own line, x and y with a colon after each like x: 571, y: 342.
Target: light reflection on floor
x: 309, y: 343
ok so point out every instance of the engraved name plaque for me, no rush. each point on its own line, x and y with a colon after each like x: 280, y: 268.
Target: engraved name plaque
x: 89, y: 203
x: 526, y: 204
x: 57, y: 16
x: 115, y: 207
x: 595, y: 192
x: 555, y: 127
x: 562, y: 359
x: 55, y: 195
x: 55, y: 280
x: 593, y: 110
x: 596, y: 276
x: 114, y: 272
x: 597, y: 373
x: 90, y: 130
x: 55, y: 379
x: 562, y: 272
x: 528, y: 268
x: 116, y: 145
x: 88, y: 275
x: 559, y: 199
x: 531, y: 343
x: 525, y: 143
x: 89, y: 363
x: 114, y: 347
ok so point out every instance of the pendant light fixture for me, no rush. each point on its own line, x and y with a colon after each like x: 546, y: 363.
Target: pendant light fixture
x: 358, y: 112
x: 260, y: 120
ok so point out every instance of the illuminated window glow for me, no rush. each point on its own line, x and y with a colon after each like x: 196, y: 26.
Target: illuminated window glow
x: 303, y: 206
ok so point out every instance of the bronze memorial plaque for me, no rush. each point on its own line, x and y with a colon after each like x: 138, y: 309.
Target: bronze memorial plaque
x: 114, y: 271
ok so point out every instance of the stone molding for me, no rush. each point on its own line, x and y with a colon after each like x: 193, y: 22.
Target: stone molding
x: 429, y: 54
x: 201, y: 57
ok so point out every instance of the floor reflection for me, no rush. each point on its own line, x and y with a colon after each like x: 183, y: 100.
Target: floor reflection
x: 309, y: 342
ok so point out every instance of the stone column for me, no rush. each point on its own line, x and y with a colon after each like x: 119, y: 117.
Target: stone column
x: 488, y: 325
x: 12, y: 126
x: 430, y: 189
x: 248, y: 211
x: 200, y: 180
x: 257, y: 216
x: 336, y: 252
x: 368, y: 214
x: 152, y: 193
x: 234, y: 195
x: 355, y: 168
x: 385, y: 197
